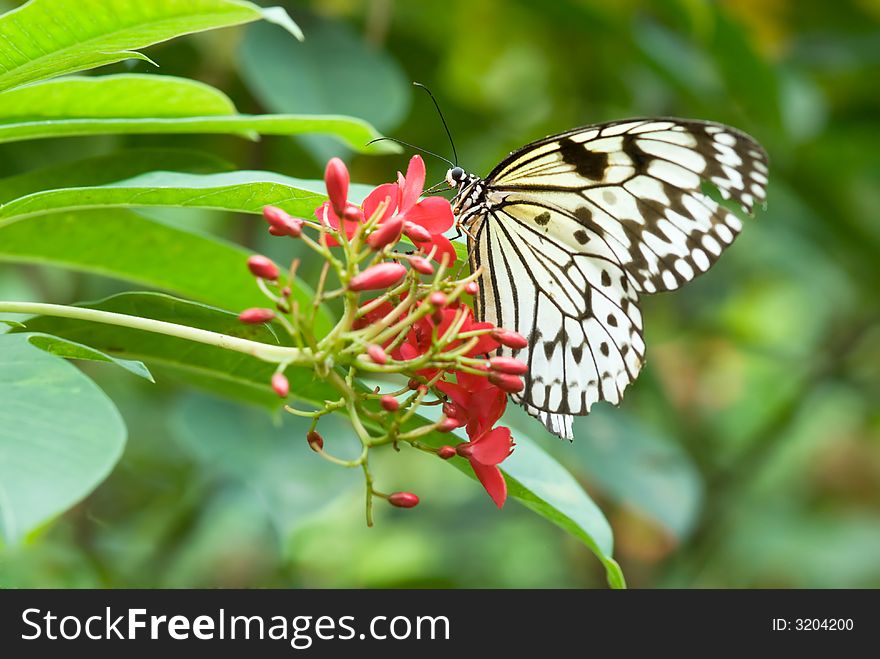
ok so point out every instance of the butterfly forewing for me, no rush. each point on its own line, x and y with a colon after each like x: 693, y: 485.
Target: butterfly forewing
x: 573, y: 227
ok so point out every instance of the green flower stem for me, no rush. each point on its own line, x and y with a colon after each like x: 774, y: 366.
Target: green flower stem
x: 268, y: 353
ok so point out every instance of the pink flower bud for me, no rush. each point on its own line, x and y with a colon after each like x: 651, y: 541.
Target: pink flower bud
x: 403, y: 500
x: 262, y: 267
x: 472, y: 288
x: 377, y: 277
x: 389, y: 403
x: 336, y: 179
x: 316, y: 442
x: 280, y: 385
x: 377, y: 354
x: 506, y: 382
x: 286, y: 291
x: 447, y: 425
x: 282, y: 224
x: 509, y: 338
x: 256, y: 316
x: 421, y: 265
x: 414, y: 384
x: 450, y: 409
x: 508, y: 365
x: 446, y: 452
x: 416, y: 232
x: 438, y: 299
x: 387, y: 233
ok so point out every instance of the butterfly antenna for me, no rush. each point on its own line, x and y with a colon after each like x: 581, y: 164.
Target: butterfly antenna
x: 411, y: 146
x: 448, y: 134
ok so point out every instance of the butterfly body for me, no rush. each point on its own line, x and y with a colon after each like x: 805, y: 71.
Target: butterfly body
x: 570, y: 230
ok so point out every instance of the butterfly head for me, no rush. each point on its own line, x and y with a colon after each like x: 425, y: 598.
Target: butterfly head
x: 455, y: 177
x: 469, y: 189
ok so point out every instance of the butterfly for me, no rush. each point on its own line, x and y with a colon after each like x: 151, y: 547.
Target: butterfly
x: 569, y: 231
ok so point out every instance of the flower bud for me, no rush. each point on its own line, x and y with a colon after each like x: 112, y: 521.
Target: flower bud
x: 403, y: 500
x: 446, y: 452
x: 438, y: 299
x: 450, y: 409
x: 389, y: 403
x: 413, y: 384
x: 286, y: 291
x: 472, y: 288
x: 377, y: 354
x: 316, y: 442
x: 506, y: 382
x: 421, y: 265
x: 280, y: 385
x: 336, y: 179
x: 387, y: 233
x: 446, y: 424
x: 464, y: 449
x: 256, y: 316
x: 377, y: 277
x: 262, y: 267
x: 509, y: 338
x: 282, y: 224
x: 508, y: 365
x: 416, y: 232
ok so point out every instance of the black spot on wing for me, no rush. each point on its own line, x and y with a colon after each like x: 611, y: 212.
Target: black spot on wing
x: 542, y: 219
x: 589, y: 164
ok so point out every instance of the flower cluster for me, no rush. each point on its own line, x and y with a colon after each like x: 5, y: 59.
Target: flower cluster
x: 404, y: 312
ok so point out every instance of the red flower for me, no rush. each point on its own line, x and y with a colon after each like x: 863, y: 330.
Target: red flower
x: 419, y: 338
x: 422, y: 221
x: 478, y: 404
x: 428, y: 218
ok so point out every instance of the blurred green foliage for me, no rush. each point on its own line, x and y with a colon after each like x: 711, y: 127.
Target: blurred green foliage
x: 747, y: 454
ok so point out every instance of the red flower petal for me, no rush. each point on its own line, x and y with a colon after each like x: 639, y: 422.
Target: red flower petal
x: 492, y: 479
x: 432, y: 213
x: 414, y: 183
x: 493, y: 447
x: 377, y: 196
x: 488, y: 405
x: 444, y: 246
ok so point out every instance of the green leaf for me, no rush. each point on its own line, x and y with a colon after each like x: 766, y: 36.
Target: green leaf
x: 60, y: 436
x: 246, y: 445
x: 355, y: 133
x: 12, y: 323
x: 47, y: 38
x: 243, y: 191
x: 228, y: 373
x: 103, y: 169
x: 114, y: 96
x: 543, y: 485
x: 131, y: 247
x: 639, y: 467
x: 71, y: 350
x: 336, y: 72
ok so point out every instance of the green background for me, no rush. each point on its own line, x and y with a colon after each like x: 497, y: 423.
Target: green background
x: 748, y: 452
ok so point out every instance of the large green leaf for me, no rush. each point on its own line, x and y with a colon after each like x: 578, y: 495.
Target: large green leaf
x: 47, y: 38
x: 243, y: 191
x: 336, y: 71
x: 222, y: 371
x: 59, y: 436
x: 534, y: 477
x: 114, y: 96
x: 355, y: 133
x: 640, y: 467
x: 127, y: 246
x: 99, y: 170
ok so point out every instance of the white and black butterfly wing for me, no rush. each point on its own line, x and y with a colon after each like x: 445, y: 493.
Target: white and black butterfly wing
x: 578, y: 224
